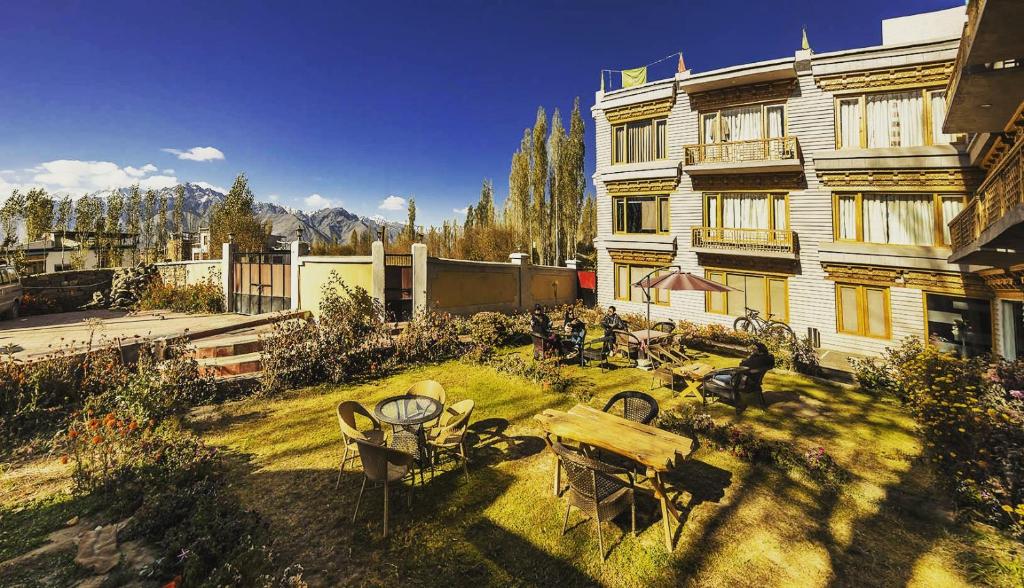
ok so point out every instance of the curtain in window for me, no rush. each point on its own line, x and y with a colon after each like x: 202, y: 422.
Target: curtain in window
x: 899, y: 219
x: 951, y: 206
x: 894, y: 119
x: 779, y: 212
x: 712, y: 219
x: 660, y: 139
x: 636, y: 293
x: 741, y: 124
x: 849, y: 123
x: 638, y: 139
x: 708, y: 129
x: 847, y: 217
x: 665, y: 215
x: 622, y: 281
x: 938, y: 108
x: 776, y: 126
x: 620, y: 145
x: 745, y: 211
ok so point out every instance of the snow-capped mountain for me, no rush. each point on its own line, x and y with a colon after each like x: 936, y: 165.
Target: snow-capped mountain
x: 326, y: 225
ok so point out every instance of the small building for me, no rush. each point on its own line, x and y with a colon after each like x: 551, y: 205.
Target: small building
x: 66, y: 250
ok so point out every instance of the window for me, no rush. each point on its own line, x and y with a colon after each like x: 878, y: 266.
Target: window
x: 746, y: 210
x: 642, y: 214
x: 766, y: 294
x: 863, y: 310
x: 627, y: 274
x: 638, y: 141
x: 1012, y: 314
x: 895, y: 219
x: 959, y: 325
x: 892, y: 119
x: 743, y: 123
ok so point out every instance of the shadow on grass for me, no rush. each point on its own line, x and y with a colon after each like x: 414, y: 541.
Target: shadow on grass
x: 489, y: 443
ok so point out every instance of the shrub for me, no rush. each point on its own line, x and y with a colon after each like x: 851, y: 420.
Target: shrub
x: 428, y: 337
x: 203, y: 297
x: 549, y: 375
x: 490, y: 330
x: 700, y: 335
x: 884, y: 377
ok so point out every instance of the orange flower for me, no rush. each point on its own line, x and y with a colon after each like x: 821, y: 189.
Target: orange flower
x: 93, y: 424
x: 97, y: 440
x: 64, y: 459
x: 132, y: 426
x: 72, y: 433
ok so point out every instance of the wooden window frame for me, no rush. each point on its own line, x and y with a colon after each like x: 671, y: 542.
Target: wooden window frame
x: 992, y: 309
x: 926, y: 116
x: 767, y: 277
x: 772, y: 196
x: 658, y: 198
x: 861, y: 330
x: 764, y: 120
x: 656, y: 294
x: 653, y: 122
x: 858, y: 209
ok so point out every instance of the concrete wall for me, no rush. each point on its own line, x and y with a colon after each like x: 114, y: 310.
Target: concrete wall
x: 69, y: 289
x: 466, y: 287
x: 314, y: 272
x: 188, y: 273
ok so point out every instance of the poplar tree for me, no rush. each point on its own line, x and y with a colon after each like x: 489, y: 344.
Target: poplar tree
x: 518, y: 209
x: 575, y: 182
x: 539, y: 183
x: 112, y: 226
x: 556, y: 147
x: 236, y: 214
x: 10, y: 215
x: 485, y: 215
x: 133, y: 218
x: 178, y: 217
x: 410, y: 225
x: 148, y: 215
x: 38, y: 207
x: 161, y: 224
x: 62, y: 221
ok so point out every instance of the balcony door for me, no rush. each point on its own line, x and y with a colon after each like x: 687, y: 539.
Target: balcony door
x: 745, y: 210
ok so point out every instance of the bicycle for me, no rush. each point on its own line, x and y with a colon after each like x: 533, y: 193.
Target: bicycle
x: 752, y: 323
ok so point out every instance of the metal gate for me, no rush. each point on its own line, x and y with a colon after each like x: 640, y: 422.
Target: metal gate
x: 261, y: 282
x: 398, y: 286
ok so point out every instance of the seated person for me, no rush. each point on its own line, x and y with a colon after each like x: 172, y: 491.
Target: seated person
x: 611, y: 322
x: 540, y: 325
x: 759, y: 359
x: 575, y: 330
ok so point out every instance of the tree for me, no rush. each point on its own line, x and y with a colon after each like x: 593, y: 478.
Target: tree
x: 178, y: 217
x: 134, y: 216
x: 517, y: 208
x: 485, y: 208
x: 161, y: 224
x: 62, y: 221
x: 538, y: 184
x: 10, y: 215
x: 88, y: 212
x: 115, y: 207
x: 556, y: 163
x: 575, y: 182
x: 236, y: 215
x: 148, y: 216
x: 410, y: 224
x: 38, y: 212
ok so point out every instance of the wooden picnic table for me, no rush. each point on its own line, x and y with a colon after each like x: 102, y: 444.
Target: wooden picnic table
x: 650, y: 336
x: 658, y: 450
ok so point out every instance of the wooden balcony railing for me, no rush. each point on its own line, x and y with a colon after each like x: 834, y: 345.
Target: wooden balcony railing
x: 755, y: 240
x: 775, y: 148
x: 1001, y: 191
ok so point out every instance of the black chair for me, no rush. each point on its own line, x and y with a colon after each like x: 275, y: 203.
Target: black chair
x: 595, y: 350
x: 595, y: 489
x: 732, y: 383
x: 636, y: 406
x: 542, y: 346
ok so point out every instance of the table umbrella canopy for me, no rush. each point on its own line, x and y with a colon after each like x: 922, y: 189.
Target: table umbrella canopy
x: 679, y: 280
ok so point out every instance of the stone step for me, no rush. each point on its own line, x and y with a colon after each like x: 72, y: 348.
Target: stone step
x: 238, y: 342
x: 231, y: 365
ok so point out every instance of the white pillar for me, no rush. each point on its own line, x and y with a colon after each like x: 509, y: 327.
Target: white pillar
x: 296, y: 248
x: 377, y: 255
x: 226, y: 275
x: 419, y: 278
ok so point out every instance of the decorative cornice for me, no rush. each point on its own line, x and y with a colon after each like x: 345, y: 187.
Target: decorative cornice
x: 751, y: 263
x: 893, y: 78
x: 644, y: 186
x: 723, y: 97
x: 640, y: 110
x: 906, y: 180
x: 930, y: 281
x: 755, y: 181
x: 660, y: 258
x: 1007, y: 283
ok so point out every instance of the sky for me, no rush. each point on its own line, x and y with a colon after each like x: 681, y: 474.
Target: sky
x: 359, y: 104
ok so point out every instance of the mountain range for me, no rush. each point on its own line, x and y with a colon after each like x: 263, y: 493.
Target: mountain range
x: 334, y: 224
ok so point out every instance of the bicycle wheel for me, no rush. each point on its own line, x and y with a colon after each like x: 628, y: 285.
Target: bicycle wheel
x: 743, y: 324
x: 782, y: 331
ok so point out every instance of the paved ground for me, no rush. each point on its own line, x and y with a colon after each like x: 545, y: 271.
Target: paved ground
x: 34, y: 336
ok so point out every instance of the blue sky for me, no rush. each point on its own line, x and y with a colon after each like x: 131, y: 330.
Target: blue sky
x: 349, y: 103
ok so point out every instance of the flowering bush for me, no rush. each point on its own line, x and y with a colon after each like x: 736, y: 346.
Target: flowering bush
x: 699, y: 335
x: 550, y: 376
x: 744, y: 444
x: 428, y: 337
x: 972, y: 423
x: 203, y: 297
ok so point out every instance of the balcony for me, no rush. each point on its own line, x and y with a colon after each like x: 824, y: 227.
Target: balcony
x: 984, y: 90
x: 990, y: 229
x: 775, y: 154
x: 778, y: 243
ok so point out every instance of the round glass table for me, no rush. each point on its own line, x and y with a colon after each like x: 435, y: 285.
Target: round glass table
x: 406, y: 414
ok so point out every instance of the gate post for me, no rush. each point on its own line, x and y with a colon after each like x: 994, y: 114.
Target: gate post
x: 227, y: 276
x: 377, y: 257
x: 523, y: 296
x: 419, y: 278
x: 296, y: 252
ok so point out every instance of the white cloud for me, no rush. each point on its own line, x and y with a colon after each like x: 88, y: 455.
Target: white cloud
x: 168, y: 172
x: 316, y: 201
x: 197, y: 153
x: 392, y: 203
x: 210, y: 186
x: 7, y: 172
x: 462, y: 211
x: 76, y: 176
x: 273, y: 197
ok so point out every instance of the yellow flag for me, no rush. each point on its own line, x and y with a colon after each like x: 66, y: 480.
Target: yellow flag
x: 634, y: 77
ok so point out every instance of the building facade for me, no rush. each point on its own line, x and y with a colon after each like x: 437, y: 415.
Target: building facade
x: 820, y: 187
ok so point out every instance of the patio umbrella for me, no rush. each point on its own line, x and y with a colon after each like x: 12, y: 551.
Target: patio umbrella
x: 677, y: 280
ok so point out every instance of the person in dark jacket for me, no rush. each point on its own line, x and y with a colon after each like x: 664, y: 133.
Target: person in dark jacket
x: 575, y: 330
x: 611, y: 323
x: 759, y: 359
x: 540, y: 323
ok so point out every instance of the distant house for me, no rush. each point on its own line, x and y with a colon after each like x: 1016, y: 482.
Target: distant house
x: 201, y: 243
x: 59, y: 250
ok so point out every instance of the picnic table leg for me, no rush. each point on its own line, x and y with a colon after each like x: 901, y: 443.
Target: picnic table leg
x: 668, y: 510
x: 558, y: 475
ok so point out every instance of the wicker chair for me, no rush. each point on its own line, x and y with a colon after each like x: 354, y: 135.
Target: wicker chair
x: 732, y: 383
x: 449, y: 436
x: 595, y: 489
x: 382, y: 465
x: 664, y: 327
x: 350, y: 432
x: 627, y: 344
x: 636, y: 406
x: 430, y: 389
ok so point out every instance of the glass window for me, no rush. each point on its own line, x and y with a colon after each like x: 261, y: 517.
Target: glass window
x: 959, y: 325
x: 862, y: 310
x: 767, y: 294
x: 746, y: 210
x: 937, y: 104
x: 664, y: 215
x: 895, y: 119
x: 660, y: 139
x: 951, y: 206
x: 716, y: 300
x: 642, y: 214
x: 619, y: 144
x: 639, y: 141
x: 849, y: 122
x: 899, y: 219
x: 628, y: 274
x: 621, y: 282
x: 1012, y: 314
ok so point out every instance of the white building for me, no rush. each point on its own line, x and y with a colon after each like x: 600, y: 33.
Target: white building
x: 819, y: 186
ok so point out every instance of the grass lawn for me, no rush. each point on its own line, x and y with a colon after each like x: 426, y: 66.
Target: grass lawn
x: 743, y: 525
